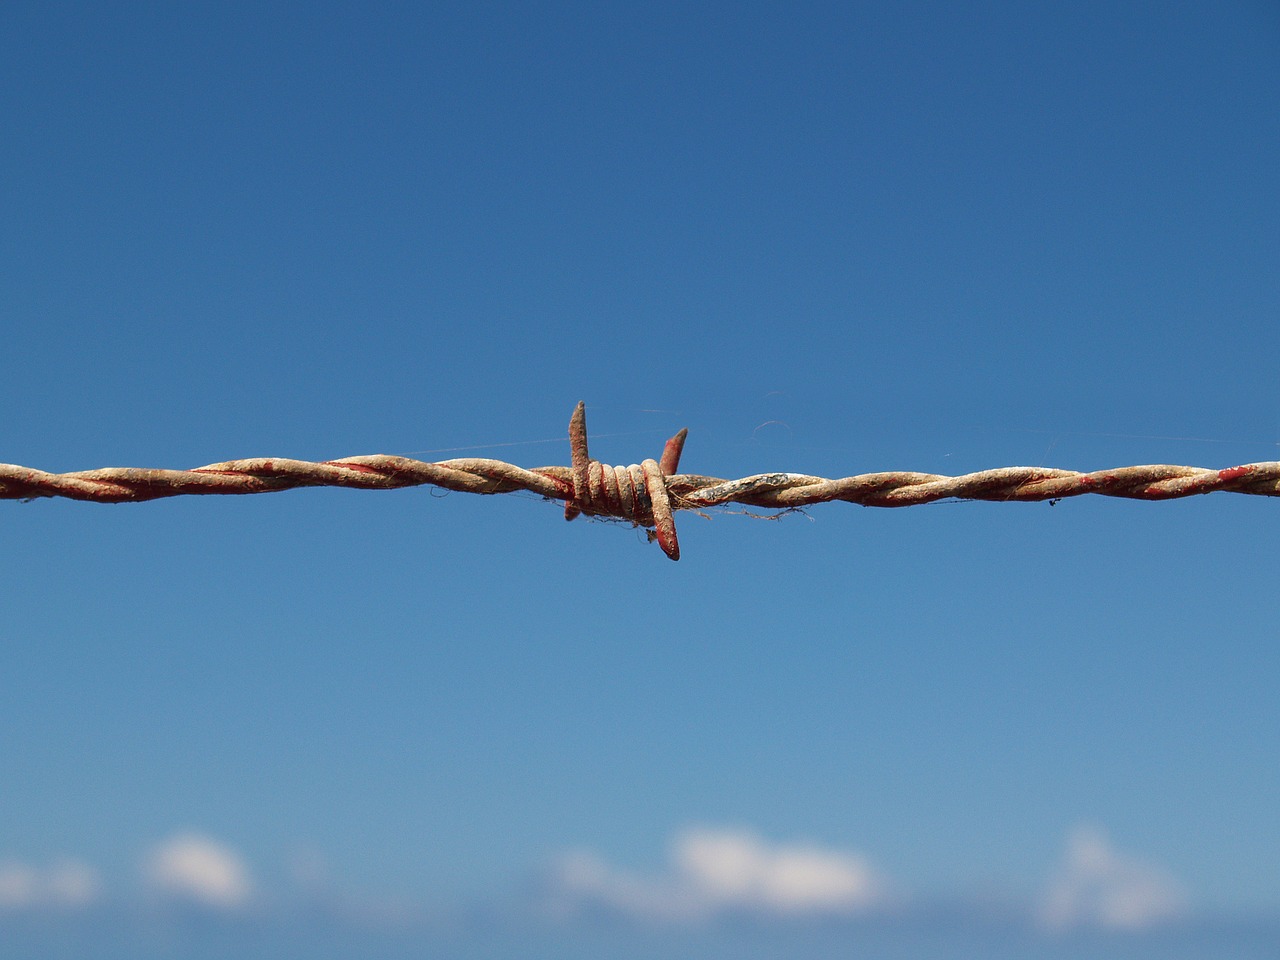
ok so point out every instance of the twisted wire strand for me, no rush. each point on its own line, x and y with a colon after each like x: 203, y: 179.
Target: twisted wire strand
x: 648, y: 494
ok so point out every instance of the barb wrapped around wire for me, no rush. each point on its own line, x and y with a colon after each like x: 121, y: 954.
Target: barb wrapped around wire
x: 647, y: 494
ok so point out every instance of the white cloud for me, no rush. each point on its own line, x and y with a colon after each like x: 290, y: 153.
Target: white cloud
x: 725, y: 870
x: 1097, y: 887
x: 197, y: 868
x: 66, y: 883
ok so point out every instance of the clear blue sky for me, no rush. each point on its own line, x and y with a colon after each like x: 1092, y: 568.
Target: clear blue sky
x: 826, y: 238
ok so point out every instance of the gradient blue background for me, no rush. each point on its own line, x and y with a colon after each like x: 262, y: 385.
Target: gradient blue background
x: 827, y: 238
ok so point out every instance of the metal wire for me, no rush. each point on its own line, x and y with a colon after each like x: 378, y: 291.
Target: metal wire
x: 647, y: 494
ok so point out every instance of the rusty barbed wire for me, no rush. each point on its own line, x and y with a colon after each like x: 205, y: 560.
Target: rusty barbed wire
x: 646, y: 494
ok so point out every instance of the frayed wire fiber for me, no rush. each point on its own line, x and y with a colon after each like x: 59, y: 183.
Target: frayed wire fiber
x: 648, y: 494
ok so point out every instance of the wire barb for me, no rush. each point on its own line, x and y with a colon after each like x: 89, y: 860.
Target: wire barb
x: 646, y: 494
x: 637, y: 493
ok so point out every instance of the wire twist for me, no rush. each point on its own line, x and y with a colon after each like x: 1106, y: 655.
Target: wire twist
x: 647, y: 494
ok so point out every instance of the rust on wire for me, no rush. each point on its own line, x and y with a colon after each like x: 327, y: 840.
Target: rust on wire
x: 646, y: 494
x: 635, y: 493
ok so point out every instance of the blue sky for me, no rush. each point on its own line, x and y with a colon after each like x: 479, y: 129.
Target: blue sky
x: 826, y: 238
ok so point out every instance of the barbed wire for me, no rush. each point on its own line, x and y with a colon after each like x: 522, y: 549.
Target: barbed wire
x: 647, y: 494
